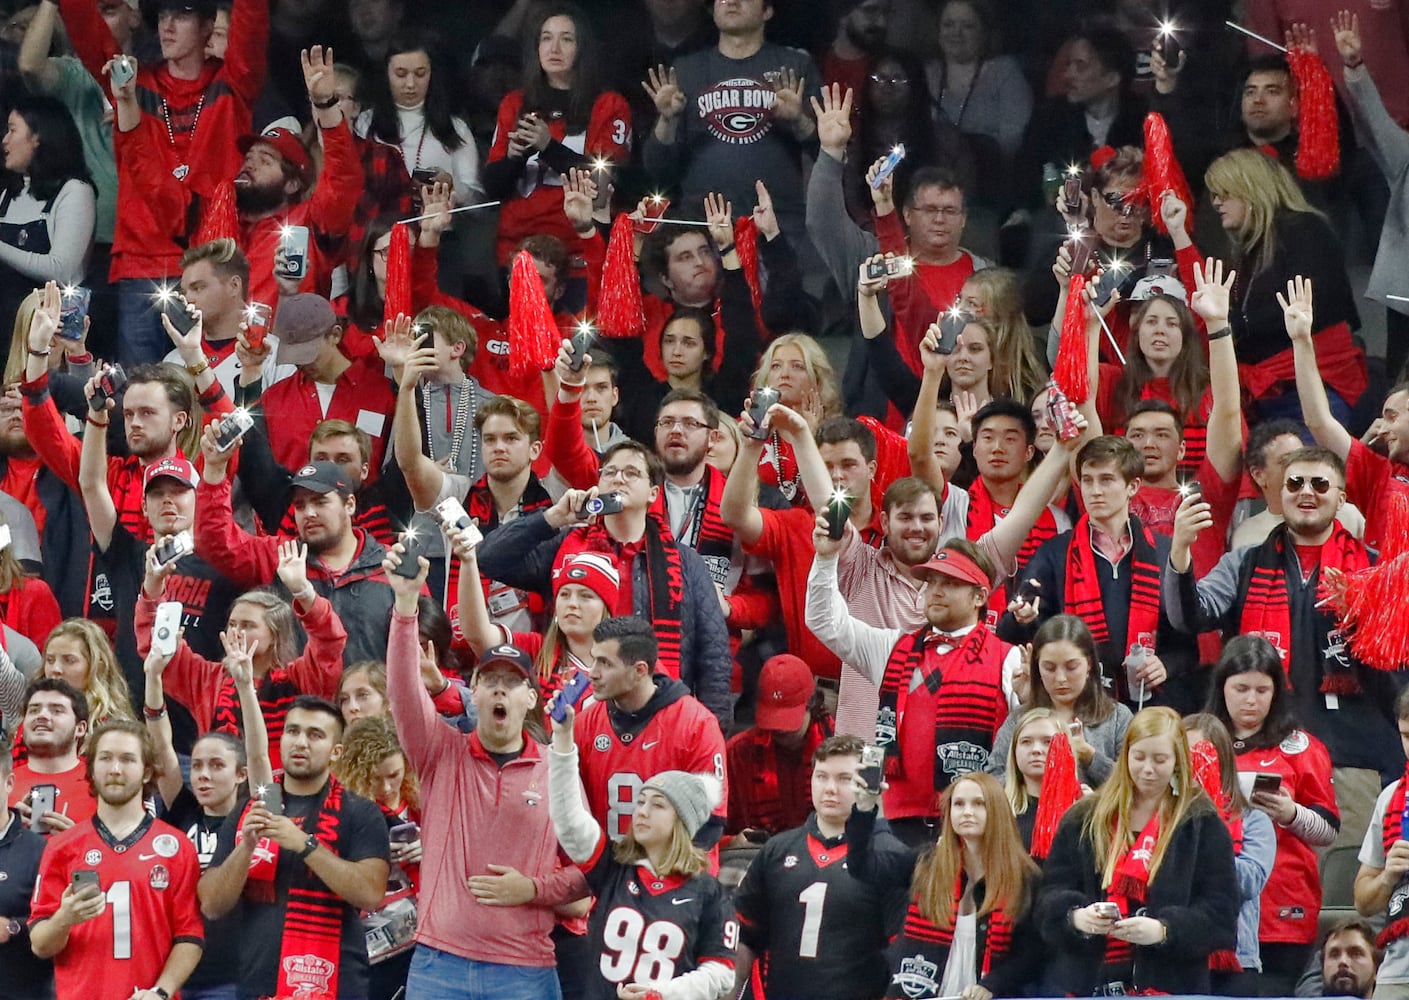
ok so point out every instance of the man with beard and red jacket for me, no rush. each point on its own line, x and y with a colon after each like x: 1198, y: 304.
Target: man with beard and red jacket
x: 642, y: 723
x: 197, y: 106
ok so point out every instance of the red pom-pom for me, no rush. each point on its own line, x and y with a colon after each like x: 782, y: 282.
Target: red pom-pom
x: 1060, y: 789
x: 1318, y: 149
x: 1370, y: 609
x: 219, y: 220
x: 746, y: 246
x: 892, y: 458
x: 1070, y: 373
x: 534, y: 336
x: 619, y: 301
x: 397, y: 300
x: 1203, y: 758
x: 1162, y: 170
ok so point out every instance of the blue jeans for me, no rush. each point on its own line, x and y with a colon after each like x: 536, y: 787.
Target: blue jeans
x: 1288, y: 406
x: 141, y: 337
x: 224, y: 992
x: 439, y: 975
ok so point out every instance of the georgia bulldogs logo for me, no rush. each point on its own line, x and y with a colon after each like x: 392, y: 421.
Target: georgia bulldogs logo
x: 737, y: 111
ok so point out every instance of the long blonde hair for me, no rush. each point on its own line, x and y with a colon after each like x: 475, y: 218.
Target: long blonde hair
x: 1267, y: 189
x: 1008, y: 871
x: 818, y: 365
x: 1018, y: 372
x: 1108, y: 822
x: 19, y: 336
x: 1013, y: 782
x: 106, y: 687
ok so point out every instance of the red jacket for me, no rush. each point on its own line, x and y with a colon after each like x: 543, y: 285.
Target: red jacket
x: 205, y: 116
x: 30, y: 609
x: 363, y: 397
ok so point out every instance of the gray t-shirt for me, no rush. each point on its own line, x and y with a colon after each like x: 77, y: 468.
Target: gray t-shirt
x: 1395, y: 967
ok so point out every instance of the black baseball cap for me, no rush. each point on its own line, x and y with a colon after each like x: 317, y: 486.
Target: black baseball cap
x: 509, y: 656
x: 153, y: 9
x: 322, y: 477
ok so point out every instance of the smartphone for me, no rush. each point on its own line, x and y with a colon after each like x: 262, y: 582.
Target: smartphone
x: 42, y: 799
x: 656, y: 207
x: 83, y: 878
x: 293, y: 240
x: 571, y: 691
x: 73, y: 309
x: 609, y: 503
x: 1028, y: 591
x: 173, y: 548
x: 452, y: 514
x: 1169, y: 47
x: 581, y: 342
x: 123, y: 69
x: 179, y: 311
x: 1193, y: 488
x: 759, y: 402
x: 1081, y: 247
x: 110, y: 383
x: 951, y: 324
x: 166, y: 629
x: 1074, y: 728
x: 416, y: 542
x: 404, y: 833
x: 873, y: 759
x: 272, y: 798
x: 1105, y: 285
x: 1265, y: 782
x: 258, y: 316
x: 1107, y: 909
x: 424, y: 177
x: 889, y: 267
x: 233, y: 427
x: 1160, y: 267
x: 888, y: 165
x: 1071, y: 194
x: 838, y: 512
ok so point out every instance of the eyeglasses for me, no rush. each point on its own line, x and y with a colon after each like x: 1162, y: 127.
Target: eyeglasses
x: 687, y: 424
x: 894, y: 81
x: 382, y: 252
x: 946, y: 211
x: 627, y: 473
x: 1320, y: 484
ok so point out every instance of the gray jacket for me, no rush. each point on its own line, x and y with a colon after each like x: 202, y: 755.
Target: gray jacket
x: 1389, y: 144
x: 1105, y: 738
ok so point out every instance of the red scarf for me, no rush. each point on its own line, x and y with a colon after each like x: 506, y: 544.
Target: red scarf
x: 665, y: 580
x: 996, y: 930
x: 704, y: 529
x: 1397, y: 919
x: 1083, y: 586
x: 1203, y: 756
x: 766, y: 809
x: 1130, y: 886
x: 480, y: 506
x: 983, y: 518
x: 310, y: 952
x: 1267, y: 610
x: 276, y: 696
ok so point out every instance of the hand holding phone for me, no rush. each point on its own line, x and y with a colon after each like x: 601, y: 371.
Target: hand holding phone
x: 569, y: 694
x: 42, y: 799
x: 759, y: 403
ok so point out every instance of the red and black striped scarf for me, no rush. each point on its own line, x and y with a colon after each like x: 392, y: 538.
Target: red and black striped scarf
x: 480, y: 505
x: 996, y: 931
x: 1130, y: 885
x: 1267, y: 609
x: 971, y: 672
x: 125, y: 484
x: 665, y: 580
x: 1083, y: 586
x: 311, y: 948
x: 276, y: 696
x: 1392, y: 830
x: 764, y: 795
x: 704, y: 529
x: 983, y: 518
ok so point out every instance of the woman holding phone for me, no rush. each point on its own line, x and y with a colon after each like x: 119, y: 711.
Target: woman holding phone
x: 1139, y: 888
x: 1290, y: 781
x: 971, y: 895
x: 1068, y: 683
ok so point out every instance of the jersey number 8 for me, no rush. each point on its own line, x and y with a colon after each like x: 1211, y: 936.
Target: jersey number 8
x: 637, y: 951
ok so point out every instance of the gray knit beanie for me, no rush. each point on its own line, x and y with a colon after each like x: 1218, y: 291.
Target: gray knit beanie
x: 694, y: 796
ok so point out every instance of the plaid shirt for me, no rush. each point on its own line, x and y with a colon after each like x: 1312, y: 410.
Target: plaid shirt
x: 388, y: 191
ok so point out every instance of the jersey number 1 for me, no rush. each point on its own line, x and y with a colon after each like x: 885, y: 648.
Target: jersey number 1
x: 119, y: 896
x: 811, y: 899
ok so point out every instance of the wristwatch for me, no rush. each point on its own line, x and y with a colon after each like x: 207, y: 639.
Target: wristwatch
x: 14, y: 928
x: 309, y: 846
x: 160, y: 992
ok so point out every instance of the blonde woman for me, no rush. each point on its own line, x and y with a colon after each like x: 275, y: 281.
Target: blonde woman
x: 78, y: 651
x: 1139, y: 888
x: 799, y: 369
x: 1026, y: 766
x: 971, y: 894
x: 995, y: 293
x: 1277, y: 234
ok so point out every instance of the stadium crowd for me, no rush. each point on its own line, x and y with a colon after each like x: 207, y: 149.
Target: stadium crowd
x: 666, y: 499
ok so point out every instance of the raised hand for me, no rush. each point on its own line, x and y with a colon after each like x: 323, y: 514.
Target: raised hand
x: 122, y: 91
x: 871, y: 287
x: 833, y: 120
x: 399, y: 340
x: 1301, y: 36
x: 930, y: 358
x: 239, y: 656
x: 579, y: 193
x: 1345, y: 29
x: 663, y: 87
x: 293, y: 566
x: 1166, y: 74
x: 719, y: 213
x: 1212, y: 292
x: 1297, y: 310
x: 436, y: 202
x: 1174, y: 212
x: 763, y: 215
x: 318, y: 74
x: 787, y: 94
x: 189, y: 344
x: 44, y: 324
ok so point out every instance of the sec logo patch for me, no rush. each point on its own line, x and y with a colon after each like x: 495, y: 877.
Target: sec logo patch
x: 93, y: 857
x: 603, y: 742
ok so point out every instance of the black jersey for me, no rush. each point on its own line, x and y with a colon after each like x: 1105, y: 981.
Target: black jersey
x: 815, y: 930
x: 649, y: 929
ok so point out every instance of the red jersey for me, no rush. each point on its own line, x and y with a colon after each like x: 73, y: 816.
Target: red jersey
x: 1291, y: 899
x: 149, y: 880
x: 537, y: 203
x: 621, y: 751
x: 74, y: 798
x: 1370, y: 478
x: 787, y: 543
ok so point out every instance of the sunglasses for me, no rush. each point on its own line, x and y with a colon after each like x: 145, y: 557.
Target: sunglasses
x: 1320, y: 484
x: 1122, y: 203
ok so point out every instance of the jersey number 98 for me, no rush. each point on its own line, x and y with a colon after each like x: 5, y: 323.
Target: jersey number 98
x: 637, y: 951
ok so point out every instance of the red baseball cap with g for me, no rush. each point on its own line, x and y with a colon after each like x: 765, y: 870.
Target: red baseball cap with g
x: 955, y: 564
x: 784, y: 688
x: 286, y: 143
x: 178, y: 468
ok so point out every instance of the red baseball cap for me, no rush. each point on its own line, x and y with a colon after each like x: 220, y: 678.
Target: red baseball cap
x: 957, y: 565
x: 286, y: 143
x: 784, y: 688
x: 177, y: 468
